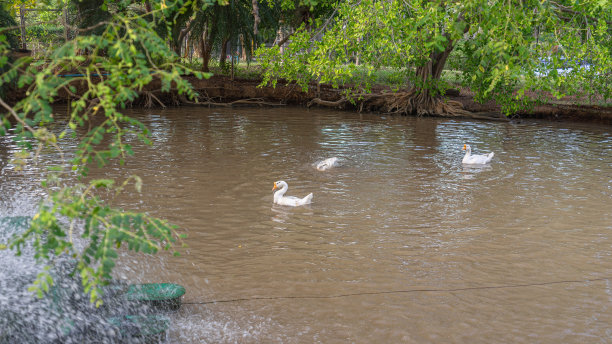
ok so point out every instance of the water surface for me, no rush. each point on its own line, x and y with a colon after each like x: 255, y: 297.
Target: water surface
x: 402, y: 243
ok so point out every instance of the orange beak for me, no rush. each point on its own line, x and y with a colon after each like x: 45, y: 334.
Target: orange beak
x: 275, y: 187
x: 464, y: 147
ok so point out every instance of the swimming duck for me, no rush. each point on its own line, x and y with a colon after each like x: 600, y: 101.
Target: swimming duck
x: 327, y: 163
x: 475, y: 159
x: 280, y: 198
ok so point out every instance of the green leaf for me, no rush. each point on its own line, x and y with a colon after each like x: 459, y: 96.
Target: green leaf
x: 105, y: 183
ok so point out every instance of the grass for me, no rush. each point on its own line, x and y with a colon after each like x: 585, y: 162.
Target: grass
x: 242, y: 70
x: 392, y: 77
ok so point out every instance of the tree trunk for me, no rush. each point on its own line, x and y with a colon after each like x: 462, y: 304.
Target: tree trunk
x: 256, y: 19
x: 422, y: 99
x: 426, y: 99
x: 223, y: 58
x: 243, y: 53
x: 181, y: 37
x: 205, y: 50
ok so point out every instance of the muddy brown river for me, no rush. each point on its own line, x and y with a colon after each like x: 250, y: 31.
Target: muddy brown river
x: 401, y: 244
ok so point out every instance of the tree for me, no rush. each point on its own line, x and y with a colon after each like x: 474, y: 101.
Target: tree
x: 90, y: 13
x: 7, y: 20
x: 235, y: 23
x: 122, y: 58
x: 205, y: 29
x: 235, y: 20
x: 11, y: 41
x: 503, y: 44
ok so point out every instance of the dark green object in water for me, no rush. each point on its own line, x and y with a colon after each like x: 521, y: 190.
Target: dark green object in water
x: 152, y: 328
x: 160, y: 295
x: 14, y: 224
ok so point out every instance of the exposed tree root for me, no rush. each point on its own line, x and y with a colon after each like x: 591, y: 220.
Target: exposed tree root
x: 393, y: 103
x: 248, y: 102
x: 490, y: 115
x: 403, y: 103
x: 340, y: 103
x: 149, y: 98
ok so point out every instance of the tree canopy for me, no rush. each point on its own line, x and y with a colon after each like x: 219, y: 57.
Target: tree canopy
x: 507, y: 49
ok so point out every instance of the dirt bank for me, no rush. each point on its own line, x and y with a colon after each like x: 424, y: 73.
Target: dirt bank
x: 224, y: 91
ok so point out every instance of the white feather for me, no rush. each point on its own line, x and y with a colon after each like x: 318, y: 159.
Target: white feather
x: 292, y: 201
x: 475, y: 159
x: 327, y: 164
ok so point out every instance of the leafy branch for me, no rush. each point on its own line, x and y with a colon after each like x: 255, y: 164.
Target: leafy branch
x: 113, y: 67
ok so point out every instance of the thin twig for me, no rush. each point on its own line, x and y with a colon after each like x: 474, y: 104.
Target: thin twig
x: 16, y: 116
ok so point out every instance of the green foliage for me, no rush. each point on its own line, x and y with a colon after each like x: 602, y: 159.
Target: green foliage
x: 8, y: 41
x: 396, y: 35
x: 7, y: 21
x: 501, y: 47
x: 45, y: 32
x: 124, y: 57
x: 90, y: 13
x: 105, y: 230
x: 232, y: 23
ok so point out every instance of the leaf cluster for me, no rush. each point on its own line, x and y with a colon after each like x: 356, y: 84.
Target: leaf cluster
x: 6, y: 21
x: 123, y: 58
x: 508, y: 49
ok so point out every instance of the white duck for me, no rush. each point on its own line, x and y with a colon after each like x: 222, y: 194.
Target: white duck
x: 280, y: 198
x: 327, y: 164
x: 475, y: 159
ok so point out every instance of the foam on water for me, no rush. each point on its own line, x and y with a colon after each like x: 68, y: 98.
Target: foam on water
x: 64, y: 314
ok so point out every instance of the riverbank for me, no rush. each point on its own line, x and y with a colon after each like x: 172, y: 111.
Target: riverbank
x: 224, y: 91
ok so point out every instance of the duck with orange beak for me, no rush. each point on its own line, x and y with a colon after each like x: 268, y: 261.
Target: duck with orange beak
x: 475, y: 159
x: 292, y: 201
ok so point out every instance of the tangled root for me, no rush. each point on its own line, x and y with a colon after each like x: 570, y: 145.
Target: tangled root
x: 401, y: 103
x: 150, y: 98
x: 421, y: 104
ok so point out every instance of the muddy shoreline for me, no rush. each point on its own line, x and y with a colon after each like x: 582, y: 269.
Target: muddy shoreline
x: 224, y: 91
